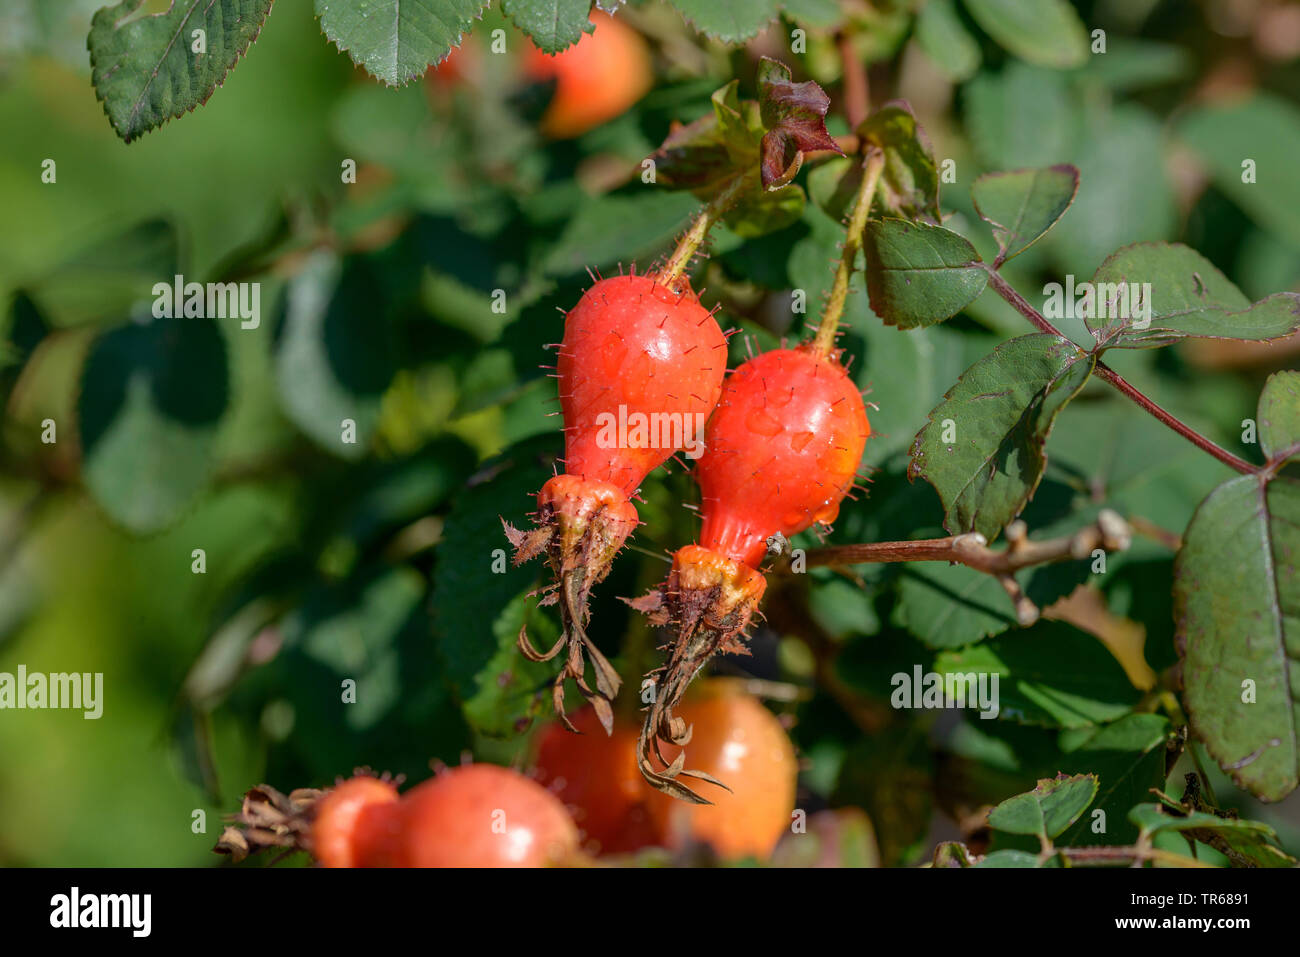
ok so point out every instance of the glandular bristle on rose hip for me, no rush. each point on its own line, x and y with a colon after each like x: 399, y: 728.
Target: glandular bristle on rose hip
x: 640, y: 369
x: 782, y: 450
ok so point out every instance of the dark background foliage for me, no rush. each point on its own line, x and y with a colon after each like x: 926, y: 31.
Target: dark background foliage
x: 374, y: 561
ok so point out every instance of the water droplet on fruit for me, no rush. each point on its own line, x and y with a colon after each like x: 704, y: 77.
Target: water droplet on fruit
x: 778, y: 398
x: 613, y: 352
x: 760, y: 422
x: 827, y: 513
x: 833, y: 462
x: 637, y: 377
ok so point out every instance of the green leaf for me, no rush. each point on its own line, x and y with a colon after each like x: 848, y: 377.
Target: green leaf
x: 906, y: 367
x: 998, y: 417
x: 1023, y: 205
x: 152, y: 398
x: 392, y: 128
x: 1188, y: 297
x: 833, y: 185
x: 372, y: 628
x: 352, y: 631
x: 1124, y: 191
x: 949, y: 606
x: 731, y: 21
x: 946, y: 41
x: 806, y: 262
x: 397, y: 41
x: 143, y: 65
x: 713, y: 148
x: 918, y: 274
x: 1050, y: 674
x: 1052, y: 806
x: 404, y: 490
x: 1244, y: 843
x: 1237, y: 610
x: 842, y: 609
x: 334, y: 356
x: 909, y: 182
x: 553, y: 25
x: 27, y: 328
x: 739, y: 122
x: 609, y: 229
x: 1023, y: 116
x: 479, y: 598
x: 1130, y: 64
x: 1046, y: 32
x: 759, y: 211
x: 508, y: 689
x: 819, y: 14
x: 1279, y: 415
x: 1131, y: 463
x: 107, y: 278
x: 1128, y: 757
x: 1264, y: 129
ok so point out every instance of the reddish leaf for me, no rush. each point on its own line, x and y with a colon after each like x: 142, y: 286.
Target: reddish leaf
x: 794, y: 116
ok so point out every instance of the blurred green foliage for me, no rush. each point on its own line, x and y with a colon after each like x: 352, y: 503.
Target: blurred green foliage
x: 327, y: 561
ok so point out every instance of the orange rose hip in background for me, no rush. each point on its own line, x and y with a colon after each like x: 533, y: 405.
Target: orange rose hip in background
x: 595, y: 80
x: 737, y: 740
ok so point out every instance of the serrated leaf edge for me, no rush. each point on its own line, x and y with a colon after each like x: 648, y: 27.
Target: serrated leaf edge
x: 1055, y: 167
x: 914, y: 471
x: 127, y: 136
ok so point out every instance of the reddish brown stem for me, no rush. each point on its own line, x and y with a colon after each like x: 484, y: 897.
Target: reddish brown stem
x: 1109, y: 375
x: 856, y: 93
x: 1109, y: 532
x: 1104, y: 856
x: 1018, y: 302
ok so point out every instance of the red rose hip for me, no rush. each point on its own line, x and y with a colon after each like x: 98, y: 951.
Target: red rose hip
x: 640, y: 368
x: 782, y: 451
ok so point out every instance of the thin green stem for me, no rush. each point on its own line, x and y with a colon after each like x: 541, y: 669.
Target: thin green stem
x: 698, y: 231
x: 857, y: 93
x: 834, y: 308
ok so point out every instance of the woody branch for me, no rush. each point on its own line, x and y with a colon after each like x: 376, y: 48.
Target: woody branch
x: 1109, y: 532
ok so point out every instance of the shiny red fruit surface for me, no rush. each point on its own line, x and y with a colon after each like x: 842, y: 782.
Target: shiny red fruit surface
x: 783, y: 449
x: 482, y: 815
x: 640, y: 369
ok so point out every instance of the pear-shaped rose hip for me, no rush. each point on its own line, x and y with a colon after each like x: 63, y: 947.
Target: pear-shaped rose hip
x: 640, y: 368
x: 782, y: 450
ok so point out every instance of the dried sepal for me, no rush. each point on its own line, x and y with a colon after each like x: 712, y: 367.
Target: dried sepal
x: 709, y: 601
x: 768, y: 136
x: 268, y: 818
x: 579, y: 528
